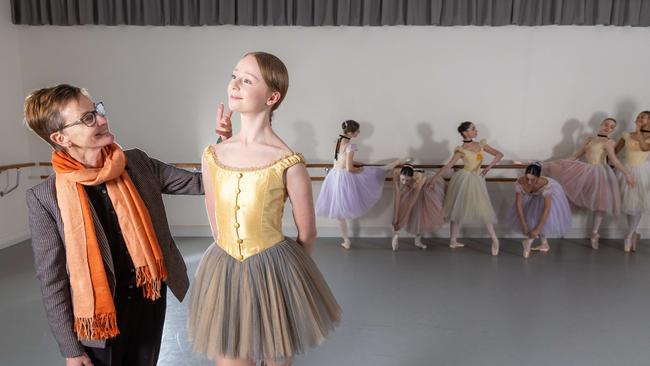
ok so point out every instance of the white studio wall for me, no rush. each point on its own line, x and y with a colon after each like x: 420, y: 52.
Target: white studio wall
x: 534, y: 92
x: 14, y: 144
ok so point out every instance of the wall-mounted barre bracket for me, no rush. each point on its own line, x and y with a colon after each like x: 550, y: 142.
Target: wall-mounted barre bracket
x: 8, y: 189
x: 6, y: 168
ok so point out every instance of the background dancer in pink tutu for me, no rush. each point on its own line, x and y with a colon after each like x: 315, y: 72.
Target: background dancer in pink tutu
x: 635, y: 200
x: 467, y: 199
x: 349, y: 191
x: 540, y: 209
x: 592, y: 184
x: 417, y: 209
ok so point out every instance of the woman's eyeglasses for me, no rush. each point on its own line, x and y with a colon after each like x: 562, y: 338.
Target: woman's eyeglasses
x: 89, y: 118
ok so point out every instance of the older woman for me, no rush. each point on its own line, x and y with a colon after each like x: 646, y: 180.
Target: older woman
x: 102, y: 246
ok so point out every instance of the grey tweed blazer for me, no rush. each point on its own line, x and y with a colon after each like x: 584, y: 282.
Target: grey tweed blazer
x: 152, y: 178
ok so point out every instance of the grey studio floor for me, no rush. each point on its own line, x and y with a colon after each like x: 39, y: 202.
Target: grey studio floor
x: 572, y: 306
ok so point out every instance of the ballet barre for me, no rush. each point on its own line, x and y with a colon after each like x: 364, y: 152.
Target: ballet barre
x: 196, y: 167
x: 433, y: 166
x: 15, y: 166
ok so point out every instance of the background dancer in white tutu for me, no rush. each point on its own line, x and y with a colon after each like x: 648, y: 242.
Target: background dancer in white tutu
x: 635, y: 200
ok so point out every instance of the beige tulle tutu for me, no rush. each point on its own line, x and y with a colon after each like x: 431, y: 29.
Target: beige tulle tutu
x: 467, y: 199
x: 636, y: 200
x: 271, y: 306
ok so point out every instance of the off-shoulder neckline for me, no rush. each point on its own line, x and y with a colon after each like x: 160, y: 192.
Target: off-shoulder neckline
x: 250, y: 169
x: 460, y: 147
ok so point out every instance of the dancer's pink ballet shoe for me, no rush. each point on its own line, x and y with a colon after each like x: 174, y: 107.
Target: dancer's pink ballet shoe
x: 627, y: 243
x: 594, y: 240
x: 527, y: 246
x: 495, y: 247
x: 454, y: 244
x: 544, y: 247
x: 346, y: 244
x: 635, y: 241
x: 395, y: 243
x: 418, y: 243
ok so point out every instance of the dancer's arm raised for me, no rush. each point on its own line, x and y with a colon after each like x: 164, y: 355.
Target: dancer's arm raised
x: 498, y: 155
x: 445, y: 169
x: 520, y: 209
x: 581, y: 151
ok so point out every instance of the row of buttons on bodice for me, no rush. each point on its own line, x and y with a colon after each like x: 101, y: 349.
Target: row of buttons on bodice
x: 237, y: 208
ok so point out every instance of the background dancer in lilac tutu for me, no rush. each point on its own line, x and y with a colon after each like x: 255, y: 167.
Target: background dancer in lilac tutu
x: 467, y: 199
x: 635, y: 200
x: 418, y: 210
x: 592, y: 184
x: 541, y: 208
x: 349, y: 191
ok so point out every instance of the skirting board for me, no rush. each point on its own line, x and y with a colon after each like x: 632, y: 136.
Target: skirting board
x: 7, y: 242
x: 375, y: 232
x: 385, y: 232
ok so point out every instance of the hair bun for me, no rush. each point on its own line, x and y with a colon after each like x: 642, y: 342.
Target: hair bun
x: 534, y: 169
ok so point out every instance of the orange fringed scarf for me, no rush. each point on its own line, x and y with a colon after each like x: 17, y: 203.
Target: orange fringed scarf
x: 92, y: 301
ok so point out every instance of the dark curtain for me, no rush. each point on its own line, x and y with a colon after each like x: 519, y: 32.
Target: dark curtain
x: 332, y: 12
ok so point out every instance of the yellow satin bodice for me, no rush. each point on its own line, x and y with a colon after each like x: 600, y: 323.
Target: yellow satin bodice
x: 472, y: 160
x: 595, y: 152
x: 633, y: 153
x: 249, y: 204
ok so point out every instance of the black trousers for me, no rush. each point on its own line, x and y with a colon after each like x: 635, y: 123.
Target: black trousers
x: 140, y: 322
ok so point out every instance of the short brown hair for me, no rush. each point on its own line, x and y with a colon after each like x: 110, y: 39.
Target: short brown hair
x: 275, y: 74
x: 43, y: 109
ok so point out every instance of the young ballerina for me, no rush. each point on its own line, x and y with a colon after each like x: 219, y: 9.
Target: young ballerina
x: 592, y: 184
x: 635, y: 200
x: 349, y: 191
x: 416, y: 209
x: 540, y: 209
x: 467, y: 199
x: 258, y: 295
